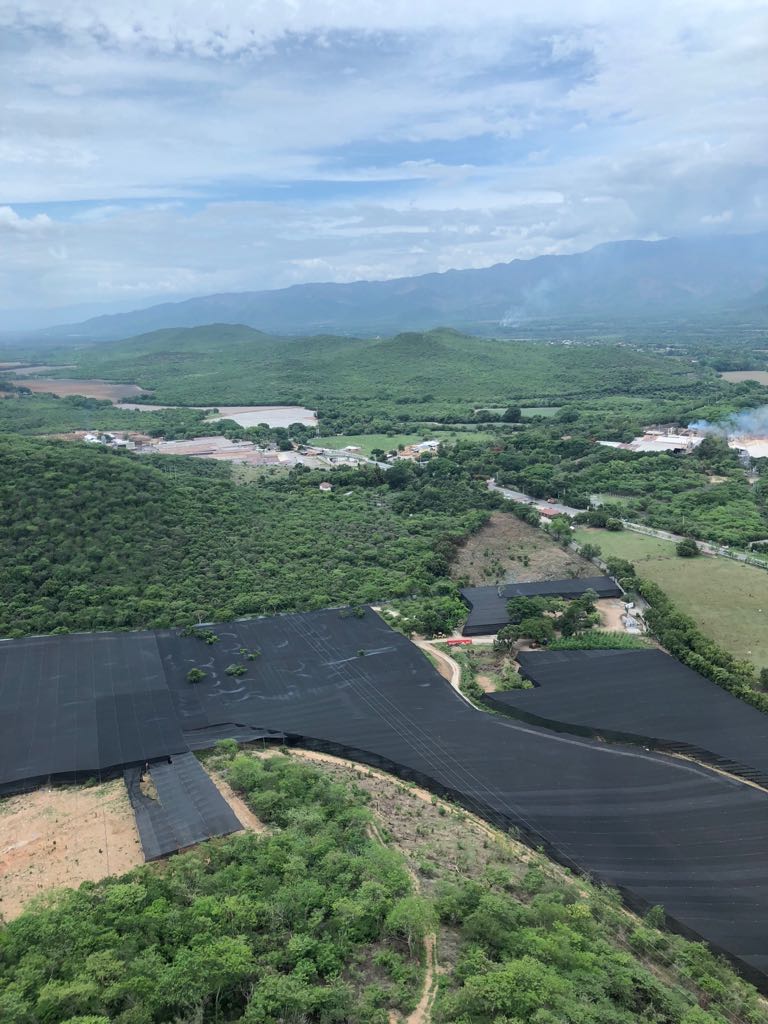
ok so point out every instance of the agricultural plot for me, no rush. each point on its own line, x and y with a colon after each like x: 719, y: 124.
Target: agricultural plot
x: 729, y: 600
x: 650, y: 824
x: 737, y: 376
x: 645, y: 695
x: 62, y: 387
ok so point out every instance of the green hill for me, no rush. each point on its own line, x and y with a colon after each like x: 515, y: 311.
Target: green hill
x: 413, y: 372
x: 97, y: 539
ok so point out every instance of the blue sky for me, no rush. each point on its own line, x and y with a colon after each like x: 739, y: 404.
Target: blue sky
x: 160, y: 149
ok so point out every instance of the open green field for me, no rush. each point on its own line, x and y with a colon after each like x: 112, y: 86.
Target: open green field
x: 727, y: 599
x: 540, y: 410
x: 528, y: 411
x: 367, y: 442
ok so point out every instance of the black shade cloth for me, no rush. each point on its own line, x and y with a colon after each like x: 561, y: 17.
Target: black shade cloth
x: 645, y: 695
x: 488, y: 605
x: 83, y: 704
x: 188, y: 809
x: 661, y: 829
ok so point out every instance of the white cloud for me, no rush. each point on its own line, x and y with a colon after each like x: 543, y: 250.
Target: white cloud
x: 10, y: 221
x: 248, y: 144
x: 724, y: 217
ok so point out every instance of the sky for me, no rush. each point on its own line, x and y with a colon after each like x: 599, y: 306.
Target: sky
x: 159, y: 149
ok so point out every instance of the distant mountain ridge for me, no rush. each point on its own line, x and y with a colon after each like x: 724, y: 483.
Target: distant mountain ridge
x: 669, y: 278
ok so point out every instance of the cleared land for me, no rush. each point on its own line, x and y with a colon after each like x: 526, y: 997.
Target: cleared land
x: 736, y: 376
x: 727, y: 599
x: 507, y: 550
x: 17, y: 368
x: 89, y: 388
x: 245, y: 415
x: 367, y: 442
x: 61, y: 837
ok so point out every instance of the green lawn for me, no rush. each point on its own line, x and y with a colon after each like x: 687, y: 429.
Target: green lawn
x: 386, y: 441
x: 727, y: 599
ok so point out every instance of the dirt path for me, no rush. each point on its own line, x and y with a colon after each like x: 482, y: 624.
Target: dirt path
x: 53, y: 838
x: 423, y: 1012
x: 245, y: 815
x: 447, y: 667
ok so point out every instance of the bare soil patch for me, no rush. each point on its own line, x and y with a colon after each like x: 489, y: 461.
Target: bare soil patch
x: 53, y: 838
x: 736, y: 376
x: 18, y: 368
x: 89, y: 388
x: 611, y: 610
x: 507, y: 550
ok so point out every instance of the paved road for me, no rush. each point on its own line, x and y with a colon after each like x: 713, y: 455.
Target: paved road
x: 704, y: 546
x: 526, y: 499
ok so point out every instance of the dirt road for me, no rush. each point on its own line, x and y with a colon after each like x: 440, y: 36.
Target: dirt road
x: 447, y: 667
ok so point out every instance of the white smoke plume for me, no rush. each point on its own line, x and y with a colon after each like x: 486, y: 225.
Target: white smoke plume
x: 749, y: 423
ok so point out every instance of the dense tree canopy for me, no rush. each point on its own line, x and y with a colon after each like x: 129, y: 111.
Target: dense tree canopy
x: 95, y: 539
x: 252, y: 928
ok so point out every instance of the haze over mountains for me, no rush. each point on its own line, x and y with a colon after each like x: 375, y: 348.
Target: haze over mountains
x: 673, y: 278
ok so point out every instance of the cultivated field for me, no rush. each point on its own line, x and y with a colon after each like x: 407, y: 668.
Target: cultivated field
x: 18, y: 369
x: 244, y: 415
x: 89, y: 388
x: 727, y: 599
x: 508, y: 550
x: 736, y: 376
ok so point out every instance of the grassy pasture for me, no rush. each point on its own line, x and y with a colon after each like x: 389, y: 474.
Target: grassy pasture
x: 367, y: 442
x: 727, y: 599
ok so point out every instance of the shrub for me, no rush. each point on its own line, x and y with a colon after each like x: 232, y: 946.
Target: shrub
x: 687, y: 548
x: 591, y: 551
x: 229, y: 748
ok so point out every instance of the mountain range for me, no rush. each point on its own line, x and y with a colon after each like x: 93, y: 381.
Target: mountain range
x: 671, y: 278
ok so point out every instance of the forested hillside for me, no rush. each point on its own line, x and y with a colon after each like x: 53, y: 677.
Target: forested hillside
x: 264, y: 926
x: 48, y: 414
x: 96, y: 539
x: 326, y: 919
x: 412, y: 374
